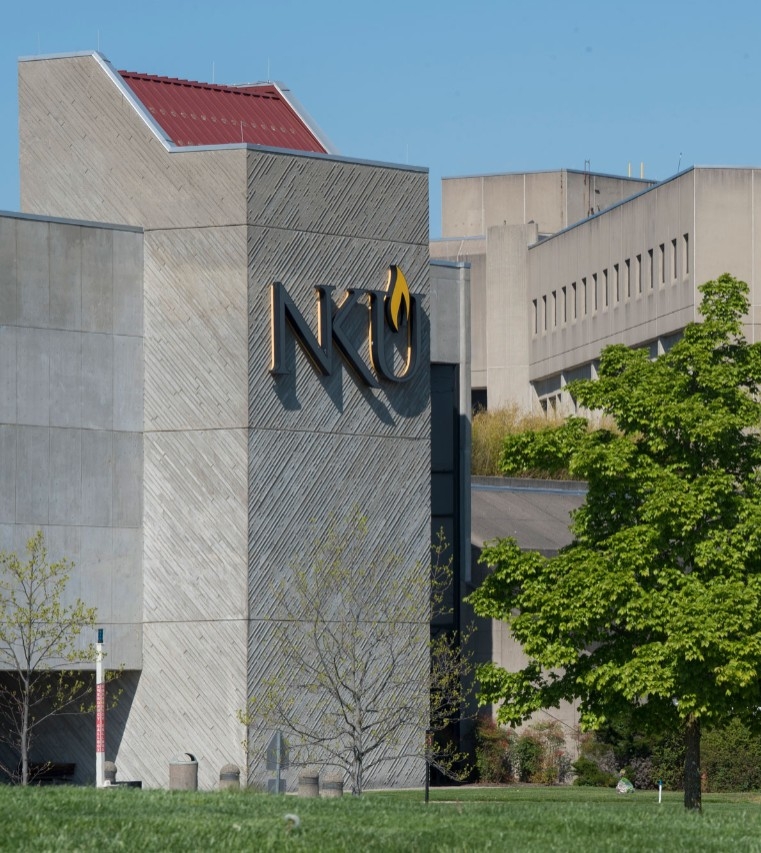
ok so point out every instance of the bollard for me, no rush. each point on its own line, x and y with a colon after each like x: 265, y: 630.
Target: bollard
x: 332, y: 785
x: 309, y: 785
x: 183, y: 773
x: 229, y: 777
x: 109, y: 772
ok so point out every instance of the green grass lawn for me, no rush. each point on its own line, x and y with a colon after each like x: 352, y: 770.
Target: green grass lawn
x: 506, y: 819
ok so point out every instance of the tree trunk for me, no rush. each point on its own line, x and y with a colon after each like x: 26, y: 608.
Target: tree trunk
x: 25, y: 738
x: 692, y: 794
x: 357, y: 781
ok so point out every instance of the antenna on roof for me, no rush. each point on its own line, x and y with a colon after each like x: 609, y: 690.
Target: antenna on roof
x: 679, y: 164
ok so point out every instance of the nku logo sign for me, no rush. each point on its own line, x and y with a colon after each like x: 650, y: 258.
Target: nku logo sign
x: 394, y: 308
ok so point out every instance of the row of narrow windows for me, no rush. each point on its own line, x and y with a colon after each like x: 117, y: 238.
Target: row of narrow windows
x: 592, y: 294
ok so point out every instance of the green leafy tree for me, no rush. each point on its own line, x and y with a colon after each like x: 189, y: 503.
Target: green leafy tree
x: 655, y: 608
x: 39, y: 648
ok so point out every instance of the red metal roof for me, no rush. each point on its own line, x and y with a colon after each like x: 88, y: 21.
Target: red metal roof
x: 192, y: 113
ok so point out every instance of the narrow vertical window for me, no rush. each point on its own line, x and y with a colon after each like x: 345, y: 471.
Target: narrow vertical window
x: 651, y: 264
x: 662, y: 264
x: 535, y: 325
x: 686, y: 254
x: 573, y: 301
x: 616, y: 284
x: 584, y: 297
x: 639, y: 273
x: 564, y: 306
x: 544, y: 313
x: 594, y: 292
x: 554, y: 306
x: 604, y: 288
x: 628, y: 276
x: 673, y: 259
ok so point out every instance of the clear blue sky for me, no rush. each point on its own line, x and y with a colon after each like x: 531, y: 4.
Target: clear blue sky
x: 462, y: 88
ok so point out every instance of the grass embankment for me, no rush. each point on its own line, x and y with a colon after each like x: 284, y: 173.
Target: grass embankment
x: 520, y: 819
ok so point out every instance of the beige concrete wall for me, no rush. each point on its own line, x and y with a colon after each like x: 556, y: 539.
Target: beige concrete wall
x: 552, y: 200
x: 656, y: 250
x: 605, y: 261
x: 473, y: 252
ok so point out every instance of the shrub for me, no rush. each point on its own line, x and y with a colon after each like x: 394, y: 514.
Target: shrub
x: 528, y: 757
x: 589, y: 773
x: 731, y: 758
x: 544, y: 452
x: 493, y: 752
x: 489, y: 431
x: 554, y: 762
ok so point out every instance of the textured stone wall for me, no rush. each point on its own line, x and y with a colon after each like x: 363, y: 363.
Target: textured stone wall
x: 236, y: 464
x: 322, y: 446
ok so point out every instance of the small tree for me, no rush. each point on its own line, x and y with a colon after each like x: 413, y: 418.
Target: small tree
x: 361, y: 681
x: 655, y: 609
x: 38, y: 648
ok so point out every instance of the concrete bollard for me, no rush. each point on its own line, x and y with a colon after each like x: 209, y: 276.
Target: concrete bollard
x: 309, y: 785
x: 229, y: 777
x: 183, y: 773
x: 109, y: 772
x: 332, y: 785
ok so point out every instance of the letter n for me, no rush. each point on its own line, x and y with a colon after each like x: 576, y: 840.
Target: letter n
x: 319, y: 350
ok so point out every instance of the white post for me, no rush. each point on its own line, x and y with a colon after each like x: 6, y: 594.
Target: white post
x: 100, y: 715
x: 660, y: 790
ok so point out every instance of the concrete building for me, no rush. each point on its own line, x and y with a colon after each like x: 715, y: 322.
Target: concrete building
x: 548, y: 292
x: 202, y: 440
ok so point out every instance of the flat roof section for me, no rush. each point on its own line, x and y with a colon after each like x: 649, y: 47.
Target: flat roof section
x: 194, y: 113
x: 536, y: 513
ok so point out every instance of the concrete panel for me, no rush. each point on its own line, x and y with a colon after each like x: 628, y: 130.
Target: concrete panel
x: 196, y: 329
x: 97, y: 477
x: 128, y: 479
x: 8, y: 375
x: 7, y: 474
x: 98, y: 381
x: 505, y: 201
x: 128, y: 383
x: 128, y: 283
x: 195, y: 525
x: 94, y: 575
x: 33, y: 376
x: 33, y: 272
x: 65, y: 378
x: 723, y: 224
x: 66, y: 276
x: 127, y: 577
x: 32, y: 475
x: 65, y: 476
x: 8, y: 290
x: 186, y: 708
x: 462, y: 207
x: 98, y: 281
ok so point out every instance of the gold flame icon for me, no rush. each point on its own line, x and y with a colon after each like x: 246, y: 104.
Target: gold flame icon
x: 398, y: 301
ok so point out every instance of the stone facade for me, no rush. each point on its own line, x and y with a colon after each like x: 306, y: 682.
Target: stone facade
x: 237, y: 462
